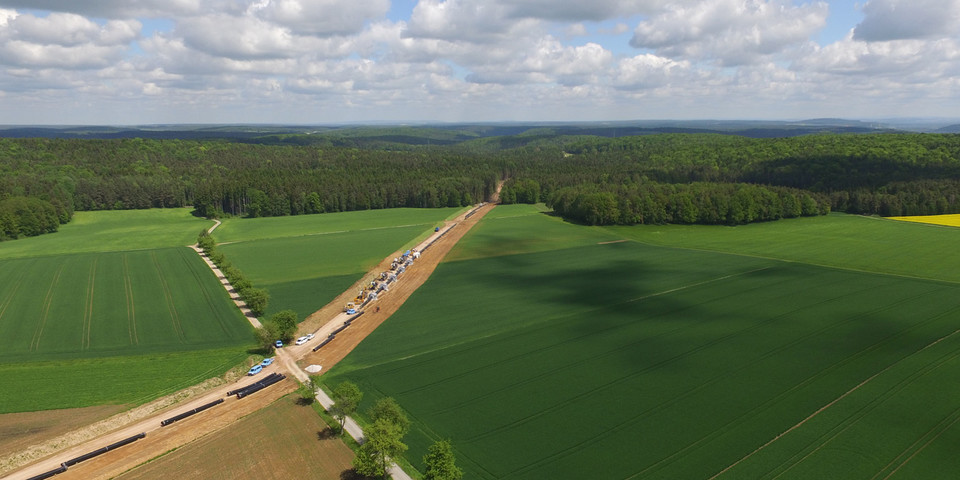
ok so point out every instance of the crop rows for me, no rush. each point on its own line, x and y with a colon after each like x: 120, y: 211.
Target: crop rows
x: 112, y: 303
x: 640, y: 361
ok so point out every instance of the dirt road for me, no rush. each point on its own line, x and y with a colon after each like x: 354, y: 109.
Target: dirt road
x: 388, y: 303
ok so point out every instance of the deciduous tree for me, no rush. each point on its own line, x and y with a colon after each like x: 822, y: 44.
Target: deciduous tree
x: 346, y: 397
x: 382, y: 442
x: 440, y: 462
x: 387, y: 409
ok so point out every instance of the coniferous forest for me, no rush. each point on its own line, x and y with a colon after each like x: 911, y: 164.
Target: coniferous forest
x: 663, y: 178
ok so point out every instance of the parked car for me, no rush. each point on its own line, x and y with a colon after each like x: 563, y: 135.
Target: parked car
x: 278, y: 344
x: 266, y: 362
x: 255, y: 369
x: 309, y: 336
x: 351, y: 311
x: 302, y: 340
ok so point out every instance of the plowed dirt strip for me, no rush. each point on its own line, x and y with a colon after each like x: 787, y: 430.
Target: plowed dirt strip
x: 388, y: 303
x: 159, y: 440
x: 283, y: 440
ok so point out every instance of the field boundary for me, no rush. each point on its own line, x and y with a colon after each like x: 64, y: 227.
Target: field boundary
x: 799, y: 262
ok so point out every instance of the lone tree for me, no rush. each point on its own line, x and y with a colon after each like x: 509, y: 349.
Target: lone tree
x: 382, y: 442
x: 440, y: 462
x: 387, y: 409
x: 346, y: 397
x: 285, y: 322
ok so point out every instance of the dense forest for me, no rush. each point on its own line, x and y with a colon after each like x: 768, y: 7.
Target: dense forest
x: 662, y: 178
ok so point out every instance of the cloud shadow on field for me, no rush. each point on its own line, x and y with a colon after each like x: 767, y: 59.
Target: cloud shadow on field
x: 620, y: 285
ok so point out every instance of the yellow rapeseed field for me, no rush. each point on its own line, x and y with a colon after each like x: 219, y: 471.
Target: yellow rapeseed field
x: 952, y: 220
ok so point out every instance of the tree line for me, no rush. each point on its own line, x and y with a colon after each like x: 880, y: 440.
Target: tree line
x: 387, y: 424
x: 43, y: 181
x: 701, y: 203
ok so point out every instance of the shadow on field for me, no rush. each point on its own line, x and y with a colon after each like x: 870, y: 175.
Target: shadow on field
x: 582, y: 276
x: 351, y: 475
x: 598, y: 292
x: 327, y: 434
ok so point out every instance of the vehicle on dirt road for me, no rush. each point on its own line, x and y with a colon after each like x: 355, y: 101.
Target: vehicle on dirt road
x: 255, y: 369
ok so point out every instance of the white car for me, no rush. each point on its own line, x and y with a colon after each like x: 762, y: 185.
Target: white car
x: 302, y: 340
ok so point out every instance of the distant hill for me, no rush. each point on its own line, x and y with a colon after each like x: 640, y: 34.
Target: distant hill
x: 375, y: 136
x: 950, y: 129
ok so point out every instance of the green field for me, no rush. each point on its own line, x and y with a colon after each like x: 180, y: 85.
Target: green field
x: 111, y: 231
x: 545, y: 353
x: 123, y: 380
x: 245, y: 229
x: 871, y: 244
x: 123, y: 317
x: 306, y: 261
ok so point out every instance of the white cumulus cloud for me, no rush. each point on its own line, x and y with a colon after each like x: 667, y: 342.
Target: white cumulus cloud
x: 64, y: 40
x: 735, y: 32
x: 908, y: 19
x: 323, y: 17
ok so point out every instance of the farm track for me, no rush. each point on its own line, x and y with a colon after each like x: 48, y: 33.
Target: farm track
x: 45, y: 311
x: 772, y: 402
x: 863, y: 411
x: 160, y: 441
x: 13, y: 292
x: 938, y: 430
x: 131, y: 309
x: 835, y: 401
x: 88, y: 306
x: 168, y: 296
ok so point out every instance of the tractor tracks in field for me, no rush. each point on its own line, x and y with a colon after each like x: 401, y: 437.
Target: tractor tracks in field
x: 131, y: 308
x: 45, y: 311
x: 168, y: 297
x: 929, y: 367
x: 88, y: 306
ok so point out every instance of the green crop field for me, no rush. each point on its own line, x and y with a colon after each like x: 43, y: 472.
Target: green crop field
x: 118, y: 303
x: 306, y: 261
x: 244, y: 229
x: 121, y: 317
x: 112, y: 231
x: 121, y: 380
x: 547, y: 352
x: 870, y: 244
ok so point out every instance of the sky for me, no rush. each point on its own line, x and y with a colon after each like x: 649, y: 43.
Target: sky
x: 138, y: 62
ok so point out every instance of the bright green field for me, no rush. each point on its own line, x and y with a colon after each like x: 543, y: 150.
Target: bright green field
x: 126, y: 315
x: 870, y: 244
x: 112, y: 231
x: 130, y: 380
x: 244, y: 229
x: 586, y: 360
x: 305, y: 262
x: 106, y: 304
